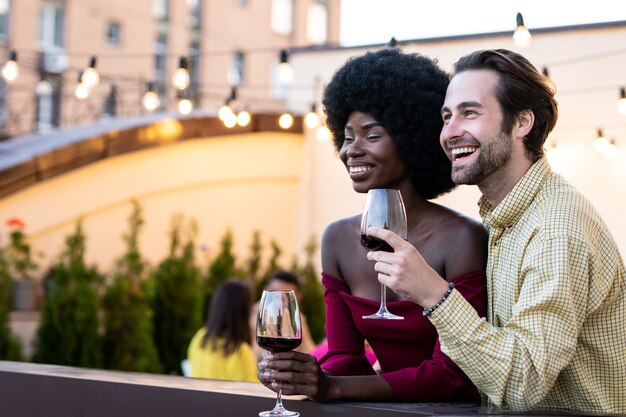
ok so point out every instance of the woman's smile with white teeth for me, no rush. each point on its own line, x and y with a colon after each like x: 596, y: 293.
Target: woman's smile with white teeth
x: 358, y: 169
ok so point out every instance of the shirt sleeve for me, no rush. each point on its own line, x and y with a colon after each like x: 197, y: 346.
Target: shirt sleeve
x: 439, y: 378
x: 517, y: 363
x: 346, y: 345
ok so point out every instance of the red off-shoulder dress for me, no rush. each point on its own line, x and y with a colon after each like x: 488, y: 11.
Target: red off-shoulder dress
x: 408, y: 350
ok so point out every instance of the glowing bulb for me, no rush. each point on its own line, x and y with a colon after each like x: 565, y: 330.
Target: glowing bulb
x: 90, y: 77
x: 181, y: 79
x: 521, y: 36
x: 10, y: 70
x: 150, y: 100
x: 285, y: 72
x: 285, y: 121
x: 230, y: 120
x: 601, y: 142
x: 322, y: 134
x: 311, y: 119
x: 243, y: 118
x: 224, y: 111
x: 185, y: 106
x: 81, y: 92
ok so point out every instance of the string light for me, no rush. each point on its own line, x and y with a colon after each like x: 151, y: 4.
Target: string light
x: 312, y: 120
x: 230, y: 120
x: 225, y: 110
x: 621, y: 104
x: 181, y: 79
x: 185, y: 106
x: 601, y: 142
x: 150, y: 100
x: 285, y: 120
x: 392, y: 42
x: 90, y: 77
x: 521, y: 36
x: 285, y: 71
x: 10, y: 70
x: 81, y: 92
x: 243, y: 118
x: 545, y: 72
x: 322, y: 134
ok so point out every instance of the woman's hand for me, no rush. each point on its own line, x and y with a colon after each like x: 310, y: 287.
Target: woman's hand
x: 405, y: 271
x: 295, y: 373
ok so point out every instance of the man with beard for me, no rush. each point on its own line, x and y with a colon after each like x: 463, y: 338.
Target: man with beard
x: 554, y: 335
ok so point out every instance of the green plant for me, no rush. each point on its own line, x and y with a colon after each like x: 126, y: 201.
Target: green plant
x: 272, y: 265
x: 68, y: 332
x: 177, y: 297
x: 10, y: 346
x: 222, y: 267
x: 312, y: 305
x: 128, y: 328
x: 19, y: 255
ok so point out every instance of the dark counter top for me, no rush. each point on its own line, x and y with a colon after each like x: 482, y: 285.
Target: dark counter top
x: 28, y: 389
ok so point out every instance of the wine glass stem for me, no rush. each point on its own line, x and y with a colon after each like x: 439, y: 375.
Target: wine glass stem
x: 279, y: 400
x: 383, y: 297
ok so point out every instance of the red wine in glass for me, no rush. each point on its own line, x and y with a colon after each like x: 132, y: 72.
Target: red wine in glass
x: 278, y: 344
x: 279, y: 329
x: 374, y: 243
x: 384, y: 208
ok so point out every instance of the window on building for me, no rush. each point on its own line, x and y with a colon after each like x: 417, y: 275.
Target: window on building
x: 195, y: 13
x: 317, y: 23
x: 160, y: 63
x: 241, y: 2
x: 194, y: 71
x: 282, y: 16
x: 114, y: 33
x: 5, y: 9
x: 51, y: 24
x: 109, y: 109
x: 47, y: 92
x: 161, y: 9
x: 236, y: 73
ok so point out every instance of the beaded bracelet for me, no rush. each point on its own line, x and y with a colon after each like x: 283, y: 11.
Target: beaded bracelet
x: 428, y: 311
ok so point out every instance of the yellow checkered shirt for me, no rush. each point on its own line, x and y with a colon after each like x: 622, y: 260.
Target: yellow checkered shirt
x: 555, y: 336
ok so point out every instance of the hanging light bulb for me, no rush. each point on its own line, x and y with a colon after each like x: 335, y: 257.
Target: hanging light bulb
x: 545, y: 72
x: 230, y: 120
x: 185, y: 106
x: 224, y: 111
x: 621, y: 104
x: 311, y: 119
x: 90, y: 77
x: 285, y: 71
x: 521, y: 36
x: 243, y: 118
x: 181, y: 79
x: 610, y: 152
x: 601, y: 142
x: 322, y: 134
x: 285, y: 121
x: 81, y: 92
x: 150, y: 100
x: 392, y: 42
x: 10, y: 70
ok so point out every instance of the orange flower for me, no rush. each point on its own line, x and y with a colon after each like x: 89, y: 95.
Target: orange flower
x: 16, y: 222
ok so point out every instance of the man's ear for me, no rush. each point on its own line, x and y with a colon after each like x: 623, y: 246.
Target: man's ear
x: 524, y: 123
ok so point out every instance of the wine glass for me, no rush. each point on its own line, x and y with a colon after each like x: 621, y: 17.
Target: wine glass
x: 384, y: 208
x: 278, y: 329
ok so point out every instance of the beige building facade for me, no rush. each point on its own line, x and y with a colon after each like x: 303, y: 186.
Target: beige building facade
x: 225, y: 43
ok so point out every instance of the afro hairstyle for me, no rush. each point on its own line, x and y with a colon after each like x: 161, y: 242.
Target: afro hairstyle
x: 404, y: 92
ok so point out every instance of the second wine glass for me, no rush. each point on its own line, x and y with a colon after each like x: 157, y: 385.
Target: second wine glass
x: 279, y: 329
x: 384, y: 208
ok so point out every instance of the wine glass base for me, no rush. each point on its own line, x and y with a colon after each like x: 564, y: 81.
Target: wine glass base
x: 382, y: 316
x: 279, y: 413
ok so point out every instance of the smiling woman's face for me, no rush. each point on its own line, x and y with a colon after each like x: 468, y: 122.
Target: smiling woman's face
x: 369, y: 154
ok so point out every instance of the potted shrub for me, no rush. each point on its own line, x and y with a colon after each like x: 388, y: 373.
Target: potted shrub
x: 68, y: 333
x: 177, y: 297
x: 21, y: 266
x: 128, y: 330
x: 10, y: 347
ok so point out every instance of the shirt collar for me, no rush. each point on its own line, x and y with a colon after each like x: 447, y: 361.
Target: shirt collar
x: 511, y: 208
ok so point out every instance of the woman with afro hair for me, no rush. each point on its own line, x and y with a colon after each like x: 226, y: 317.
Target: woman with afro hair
x: 383, y: 109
